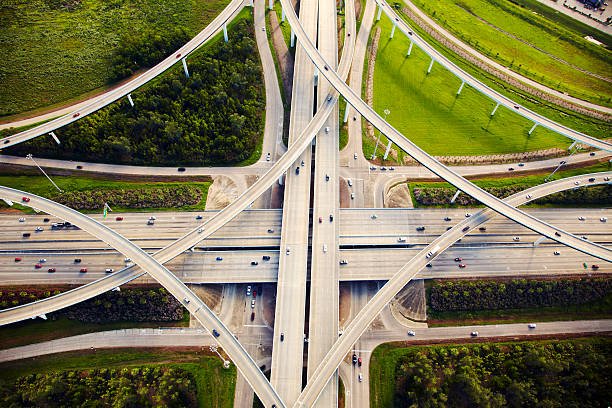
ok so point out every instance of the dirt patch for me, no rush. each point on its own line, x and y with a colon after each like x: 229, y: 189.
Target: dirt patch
x: 284, y: 56
x: 269, y: 290
x: 211, y: 294
x: 345, y: 201
x: 345, y: 302
x: 221, y: 192
x: 398, y: 197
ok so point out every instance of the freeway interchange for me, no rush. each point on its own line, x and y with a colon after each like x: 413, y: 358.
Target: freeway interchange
x: 292, y: 249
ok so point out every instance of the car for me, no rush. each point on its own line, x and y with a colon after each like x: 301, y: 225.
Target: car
x: 17, y: 259
x: 25, y: 199
x: 79, y: 167
x: 461, y: 265
x: 266, y: 257
x: 150, y: 222
x: 372, y: 168
x: 200, y: 230
x: 429, y: 265
x: 581, y: 218
x: 77, y: 260
x: 359, y: 361
x: 26, y: 234
x: 268, y: 157
x: 109, y: 270
x: 528, y: 196
x: 325, y: 67
x: 510, y: 168
x: 178, y: 56
x: 352, y: 196
x: 51, y: 270
x: 263, y: 28
x: 302, y: 163
x: 448, y: 228
x: 46, y: 220
x: 354, y: 359
x: 531, y: 325
x: 606, y: 178
x: 577, y: 183
x: 447, y: 218
x: 327, y: 177
x: 42, y: 260
x: 592, y: 154
x: 331, y: 217
x: 516, y: 238
x: 127, y: 260
x: 603, y: 219
x: 215, y: 333
x: 474, y: 334
x: 282, y: 336
x: 360, y: 377
x: 254, y: 263
x: 181, y: 169
x: 297, y: 170
x: 411, y: 333
x: 83, y: 270
x: 252, y: 303
x: 248, y: 290
x: 327, y: 129
x: 595, y: 267
x: 38, y: 266
x: 22, y: 219
x: 39, y: 229
x: 373, y: 216
x: 557, y: 234
x: 562, y: 162
x: 153, y: 218
x: 383, y: 168
x: 7, y: 141
x: 199, y: 217
x: 468, y: 215
x: 252, y: 316
x: 420, y: 228
x: 458, y: 259
x: 350, y: 182
x: 584, y: 237
x: 254, y: 294
x: 76, y: 115
x: 392, y: 168
x: 521, y: 164
x: 556, y: 253
x: 270, y: 230
x: 119, y: 219
x: 591, y: 180
x: 320, y: 220
x: 288, y: 251
x: 325, y: 248
x: 354, y: 154
x: 329, y: 98
x: 483, y: 229
x: 401, y: 239
x: 465, y: 229
x: 343, y: 262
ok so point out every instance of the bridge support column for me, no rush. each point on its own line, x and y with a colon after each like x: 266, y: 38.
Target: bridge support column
x: 455, y: 196
x: 538, y: 241
x: 281, y: 180
x: 495, y: 109
x: 54, y: 137
x: 409, y: 49
x: 282, y: 14
x: 379, y: 12
x: 8, y: 202
x: 460, y: 88
x: 346, y: 112
x: 292, y: 38
x: 130, y: 97
x: 572, y: 145
x: 225, y: 33
x: 393, y: 30
x: 251, y: 3
x: 388, y: 150
x: 185, y: 68
x: 271, y: 4
x: 43, y: 316
x: 316, y: 76
x: 533, y: 128
x: 430, y: 65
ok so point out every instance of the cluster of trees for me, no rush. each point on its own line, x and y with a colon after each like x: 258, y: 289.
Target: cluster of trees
x: 213, y: 117
x: 126, y: 387
x: 68, y: 5
x: 527, y: 374
x: 518, y: 293
x: 145, y: 50
x: 133, y: 304
x: 597, y: 195
x: 157, y: 197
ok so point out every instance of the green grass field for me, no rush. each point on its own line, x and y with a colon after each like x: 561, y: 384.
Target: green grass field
x: 215, y: 384
x: 530, y: 44
x: 39, y: 185
x: 52, y: 56
x: 426, y: 109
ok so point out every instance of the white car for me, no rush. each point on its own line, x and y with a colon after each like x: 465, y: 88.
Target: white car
x: 528, y: 196
x: 350, y: 182
x: 248, y: 292
x: 200, y: 230
x: 327, y: 129
x: 22, y: 219
x: 355, y: 156
x: 324, y: 247
x: 516, y: 238
x: 581, y: 218
x: 288, y: 251
x: 152, y: 218
x: 468, y: 215
x: 252, y: 303
x: 42, y: 260
x: 39, y: 229
x: 401, y: 239
x: 109, y: 270
x: 531, y: 325
x: 603, y: 219
x: 360, y: 377
x: 411, y: 333
x: 352, y: 196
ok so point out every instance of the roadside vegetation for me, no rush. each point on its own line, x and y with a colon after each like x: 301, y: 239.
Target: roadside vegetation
x: 90, y: 194
x: 55, y: 52
x: 155, y: 369
x: 469, y: 302
x: 569, y: 373
x: 214, y: 117
x: 530, y: 44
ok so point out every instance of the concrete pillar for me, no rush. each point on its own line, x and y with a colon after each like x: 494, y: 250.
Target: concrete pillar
x: 130, y: 97
x: 533, y: 128
x: 54, y: 137
x: 251, y: 3
x: 572, y: 145
x: 281, y: 180
x: 316, y: 76
x: 43, y: 316
x: 346, y: 112
x: 393, y: 30
x: 495, y: 109
x: 455, y: 196
x: 8, y: 202
x: 409, y: 49
x: 379, y: 12
x: 430, y: 65
x: 461, y: 88
x: 185, y: 68
x: 388, y: 150
x: 282, y: 14
x: 271, y: 4
x: 292, y: 38
x: 539, y: 241
x: 225, y: 32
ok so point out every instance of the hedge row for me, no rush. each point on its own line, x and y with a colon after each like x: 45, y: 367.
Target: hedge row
x: 519, y: 293
x: 150, y: 305
x: 597, y: 195
x: 157, y: 197
x: 126, y: 387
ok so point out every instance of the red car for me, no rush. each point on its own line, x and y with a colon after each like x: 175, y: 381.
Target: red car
x: 17, y: 259
x: 83, y: 270
x: 25, y: 199
x: 76, y: 115
x: 359, y: 361
x: 178, y: 56
x: 38, y: 266
x: 119, y: 218
x: 254, y: 294
x: 51, y: 270
x: 462, y: 265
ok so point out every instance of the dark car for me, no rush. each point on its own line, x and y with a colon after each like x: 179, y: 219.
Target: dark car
x: 51, y: 270
x: 26, y: 234
x: 77, y: 260
x: 76, y: 115
x: 458, y: 259
x: 266, y: 257
x: 354, y: 359
x: 331, y: 217
x: 83, y: 270
x: 482, y: 229
x: 421, y: 228
x: 592, y: 179
x: 216, y: 333
x: 25, y: 199
x: 297, y: 170
x: 428, y: 265
x: 252, y: 316
x: 181, y: 169
x: 359, y: 361
x: 79, y: 167
x: 447, y: 218
x: 282, y: 336
x: 465, y: 229
x: 46, y: 220
x: 254, y: 263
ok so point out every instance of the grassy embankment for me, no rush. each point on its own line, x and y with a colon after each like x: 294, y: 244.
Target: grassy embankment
x: 215, y: 385
x: 531, y: 44
x: 53, y: 56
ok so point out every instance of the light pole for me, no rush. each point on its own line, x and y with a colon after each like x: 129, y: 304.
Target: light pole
x: 29, y: 157
x: 386, y: 112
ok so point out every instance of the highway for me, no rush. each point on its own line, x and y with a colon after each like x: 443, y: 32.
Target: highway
x: 170, y: 282
x: 102, y: 100
x: 485, y: 90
